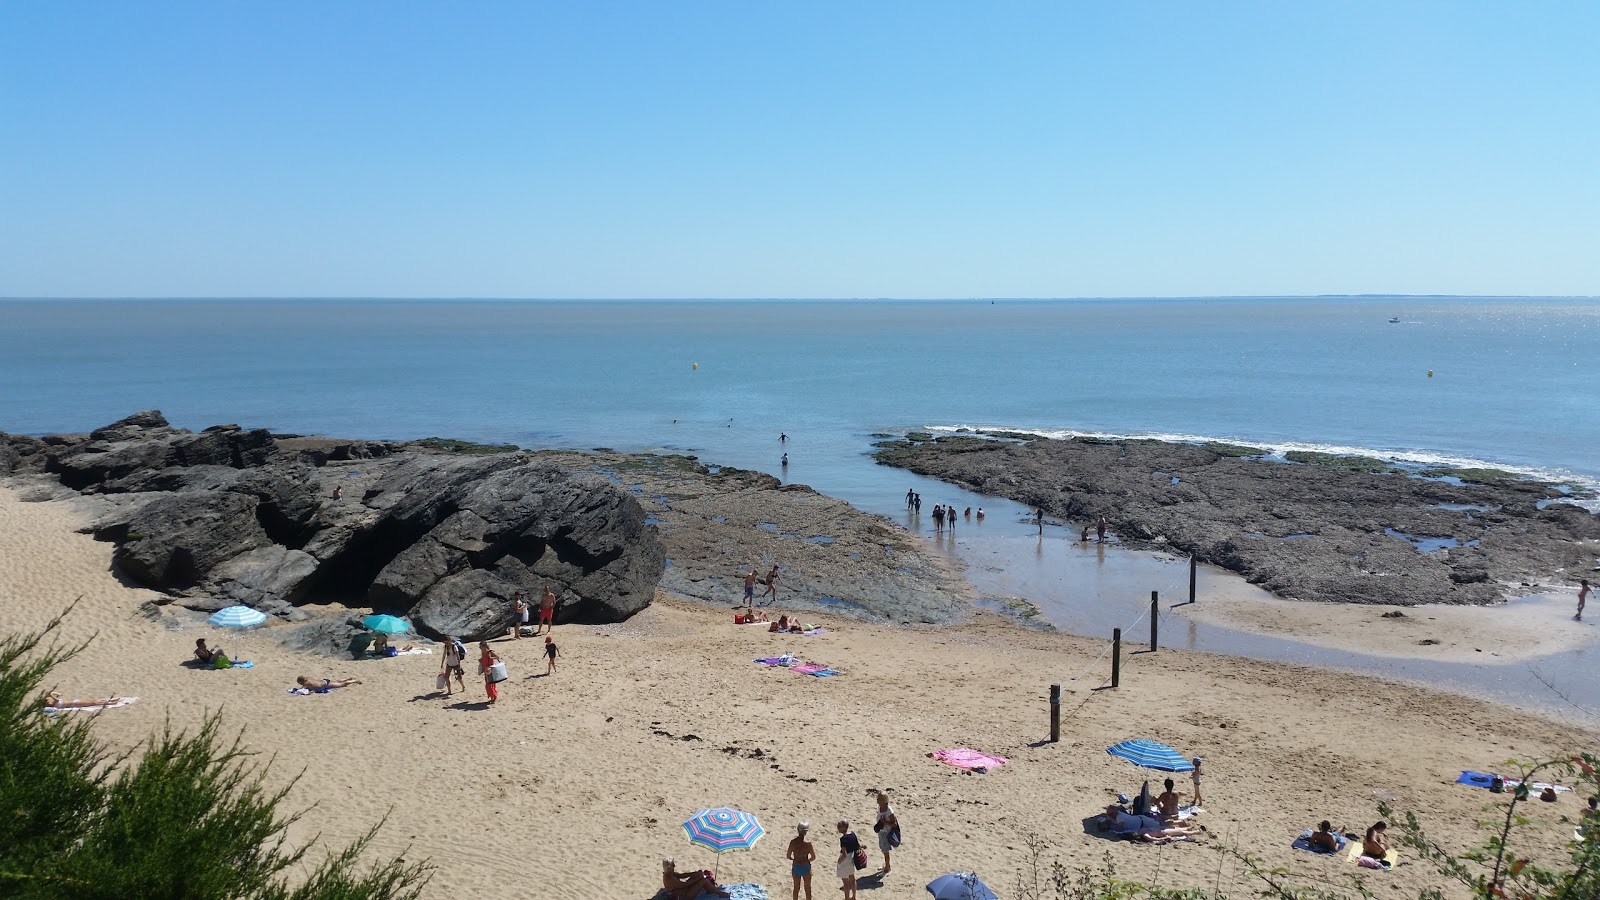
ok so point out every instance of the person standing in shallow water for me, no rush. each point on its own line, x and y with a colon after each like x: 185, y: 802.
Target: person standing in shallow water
x: 916, y: 502
x: 911, y: 495
x: 938, y: 518
x: 1100, y: 531
x: 1039, y: 516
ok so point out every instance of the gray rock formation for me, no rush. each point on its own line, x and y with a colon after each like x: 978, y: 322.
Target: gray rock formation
x: 229, y: 516
x: 1312, y: 527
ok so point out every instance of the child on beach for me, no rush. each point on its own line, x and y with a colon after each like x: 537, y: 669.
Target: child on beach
x: 486, y: 660
x: 1196, y: 778
x: 549, y: 655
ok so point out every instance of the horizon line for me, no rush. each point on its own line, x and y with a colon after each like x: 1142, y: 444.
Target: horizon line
x: 687, y: 299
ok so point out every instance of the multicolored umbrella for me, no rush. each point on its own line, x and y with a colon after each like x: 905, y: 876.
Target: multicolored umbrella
x: 238, y: 617
x: 1151, y: 755
x: 387, y: 624
x: 723, y: 829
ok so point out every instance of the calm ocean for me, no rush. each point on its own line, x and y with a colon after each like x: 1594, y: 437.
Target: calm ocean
x: 1514, y: 383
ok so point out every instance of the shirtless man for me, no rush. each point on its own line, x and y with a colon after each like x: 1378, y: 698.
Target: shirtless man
x: 750, y: 588
x: 801, y: 854
x: 547, y: 611
x: 1324, y: 839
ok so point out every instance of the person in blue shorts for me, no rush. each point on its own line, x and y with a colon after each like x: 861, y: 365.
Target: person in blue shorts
x: 800, y: 855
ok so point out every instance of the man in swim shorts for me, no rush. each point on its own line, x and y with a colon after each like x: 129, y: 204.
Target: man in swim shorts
x: 547, y: 610
x: 750, y: 587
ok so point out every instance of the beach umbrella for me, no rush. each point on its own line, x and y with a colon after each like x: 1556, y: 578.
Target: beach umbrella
x: 387, y: 624
x: 723, y: 829
x: 960, y: 886
x: 1151, y: 755
x: 237, y: 617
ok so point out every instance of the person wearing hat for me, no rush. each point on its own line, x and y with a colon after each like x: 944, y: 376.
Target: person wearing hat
x: 801, y: 854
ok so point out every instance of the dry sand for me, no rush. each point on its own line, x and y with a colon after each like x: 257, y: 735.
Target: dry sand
x: 575, y: 785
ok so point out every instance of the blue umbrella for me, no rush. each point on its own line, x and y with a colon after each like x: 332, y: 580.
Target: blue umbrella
x: 387, y: 624
x: 722, y: 829
x: 1151, y: 755
x: 238, y: 617
x: 960, y: 886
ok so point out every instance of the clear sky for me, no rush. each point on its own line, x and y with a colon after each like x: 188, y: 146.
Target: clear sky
x: 814, y: 149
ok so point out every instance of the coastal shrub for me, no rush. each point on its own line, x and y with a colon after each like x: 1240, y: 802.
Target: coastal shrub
x: 1338, y: 461
x: 187, y: 816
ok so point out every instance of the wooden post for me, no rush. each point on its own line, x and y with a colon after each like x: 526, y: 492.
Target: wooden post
x: 1055, y: 713
x: 1155, y: 618
x: 1192, y: 567
x: 1116, y: 656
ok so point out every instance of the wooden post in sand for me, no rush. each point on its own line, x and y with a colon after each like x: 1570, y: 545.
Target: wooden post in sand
x: 1192, y: 566
x: 1155, y: 617
x: 1055, y: 713
x: 1116, y: 656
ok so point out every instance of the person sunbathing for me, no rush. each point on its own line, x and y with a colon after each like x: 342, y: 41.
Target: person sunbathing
x: 781, y: 625
x: 686, y: 885
x: 207, y: 655
x: 325, y: 684
x: 1143, y: 828
x: 53, y: 700
x: 1376, y: 843
x: 1324, y: 839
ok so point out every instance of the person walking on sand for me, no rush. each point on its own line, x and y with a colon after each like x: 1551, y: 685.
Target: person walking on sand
x: 888, y: 828
x: 547, y: 610
x: 486, y: 661
x: 519, y: 617
x: 750, y: 588
x: 1195, y: 777
x: 453, y: 652
x: 1583, y: 596
x: 549, y: 655
x: 772, y: 584
x: 800, y: 855
x: 845, y: 868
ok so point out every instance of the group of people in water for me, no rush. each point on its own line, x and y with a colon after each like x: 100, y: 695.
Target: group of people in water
x: 943, y: 516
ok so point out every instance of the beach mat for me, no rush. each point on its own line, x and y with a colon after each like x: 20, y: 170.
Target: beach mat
x: 746, y: 891
x: 1483, y: 780
x: 1303, y: 842
x: 966, y: 758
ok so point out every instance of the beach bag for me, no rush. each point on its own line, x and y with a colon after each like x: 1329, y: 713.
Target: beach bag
x: 497, y: 672
x: 860, y: 859
x: 894, y: 836
x: 391, y: 651
x: 442, y: 682
x: 221, y: 662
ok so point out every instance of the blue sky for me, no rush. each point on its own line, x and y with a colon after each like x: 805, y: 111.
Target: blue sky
x: 813, y: 149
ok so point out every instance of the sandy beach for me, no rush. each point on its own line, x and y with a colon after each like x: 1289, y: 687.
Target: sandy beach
x: 574, y: 786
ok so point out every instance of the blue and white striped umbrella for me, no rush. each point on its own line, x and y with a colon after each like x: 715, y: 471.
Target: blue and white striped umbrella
x: 1151, y: 755
x: 723, y: 829
x: 238, y: 617
x: 960, y: 886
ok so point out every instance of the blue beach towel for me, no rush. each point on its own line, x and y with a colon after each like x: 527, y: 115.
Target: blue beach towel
x: 1303, y: 842
x: 735, y: 892
x: 824, y: 673
x: 1475, y: 779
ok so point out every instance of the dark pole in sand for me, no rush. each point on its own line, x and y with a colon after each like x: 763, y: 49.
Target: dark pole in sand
x: 1155, y: 617
x: 1192, y: 567
x: 1116, y: 656
x: 1055, y: 713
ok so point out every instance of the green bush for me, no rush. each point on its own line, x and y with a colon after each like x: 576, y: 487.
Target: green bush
x: 187, y: 817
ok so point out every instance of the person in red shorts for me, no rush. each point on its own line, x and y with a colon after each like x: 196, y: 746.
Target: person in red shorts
x: 547, y: 611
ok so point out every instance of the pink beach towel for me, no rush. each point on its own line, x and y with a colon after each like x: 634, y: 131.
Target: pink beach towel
x: 963, y: 758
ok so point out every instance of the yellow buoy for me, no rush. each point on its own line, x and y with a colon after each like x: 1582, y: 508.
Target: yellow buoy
x: 697, y: 365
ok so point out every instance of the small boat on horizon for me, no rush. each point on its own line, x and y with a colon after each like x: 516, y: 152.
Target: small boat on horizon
x: 1394, y: 320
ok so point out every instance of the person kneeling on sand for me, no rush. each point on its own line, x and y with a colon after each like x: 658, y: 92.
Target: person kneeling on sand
x: 1324, y: 839
x: 686, y: 885
x: 325, y: 684
x: 1376, y: 843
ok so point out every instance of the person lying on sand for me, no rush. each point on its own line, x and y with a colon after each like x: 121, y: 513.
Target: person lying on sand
x: 325, y: 684
x: 53, y: 700
x: 1324, y: 839
x: 1143, y: 828
x: 688, y: 885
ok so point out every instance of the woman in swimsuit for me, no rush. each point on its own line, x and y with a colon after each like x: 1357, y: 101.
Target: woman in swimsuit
x: 325, y: 684
x: 53, y: 700
x: 1376, y: 843
x: 801, y: 853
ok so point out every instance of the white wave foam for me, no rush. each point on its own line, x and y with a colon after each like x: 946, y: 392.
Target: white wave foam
x: 1278, y: 448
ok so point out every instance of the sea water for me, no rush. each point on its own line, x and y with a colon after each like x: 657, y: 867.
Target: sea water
x: 1508, y: 382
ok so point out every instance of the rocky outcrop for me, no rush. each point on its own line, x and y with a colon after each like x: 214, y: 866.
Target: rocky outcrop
x: 1310, y: 526
x: 228, y: 515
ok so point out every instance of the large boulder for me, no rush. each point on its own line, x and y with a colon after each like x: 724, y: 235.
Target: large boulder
x: 173, y: 542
